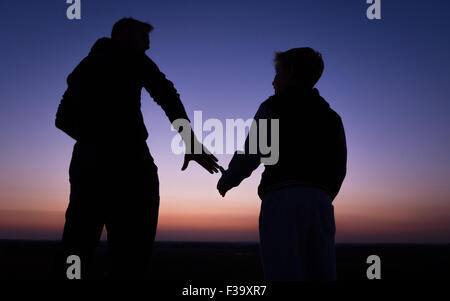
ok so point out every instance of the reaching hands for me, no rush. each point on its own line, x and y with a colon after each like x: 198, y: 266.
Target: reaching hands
x: 207, y: 161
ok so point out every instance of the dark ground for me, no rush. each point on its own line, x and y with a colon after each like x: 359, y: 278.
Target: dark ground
x: 235, y: 261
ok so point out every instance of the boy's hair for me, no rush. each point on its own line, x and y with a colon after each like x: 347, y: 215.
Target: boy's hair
x: 306, y: 62
x: 125, y: 27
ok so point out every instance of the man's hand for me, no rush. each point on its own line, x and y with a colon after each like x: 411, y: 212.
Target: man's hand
x: 221, y: 187
x: 207, y: 161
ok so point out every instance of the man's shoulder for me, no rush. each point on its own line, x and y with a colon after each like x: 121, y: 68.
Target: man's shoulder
x: 101, y: 45
x: 334, y: 115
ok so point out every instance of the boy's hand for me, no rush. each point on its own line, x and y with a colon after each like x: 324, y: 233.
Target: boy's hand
x: 221, y: 187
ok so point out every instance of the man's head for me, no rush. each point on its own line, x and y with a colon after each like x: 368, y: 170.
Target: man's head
x: 297, y: 68
x: 132, y: 32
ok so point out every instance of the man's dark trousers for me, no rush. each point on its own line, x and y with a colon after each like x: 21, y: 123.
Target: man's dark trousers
x: 113, y: 184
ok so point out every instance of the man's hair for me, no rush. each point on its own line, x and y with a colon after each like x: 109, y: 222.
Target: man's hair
x: 306, y: 63
x: 124, y: 28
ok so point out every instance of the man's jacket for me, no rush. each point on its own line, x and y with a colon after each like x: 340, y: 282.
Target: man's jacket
x: 103, y: 99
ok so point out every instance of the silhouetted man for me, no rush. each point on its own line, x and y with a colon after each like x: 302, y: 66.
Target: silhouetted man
x: 113, y: 178
x: 296, y: 223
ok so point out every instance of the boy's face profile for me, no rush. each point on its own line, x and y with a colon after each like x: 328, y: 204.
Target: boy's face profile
x: 283, y: 79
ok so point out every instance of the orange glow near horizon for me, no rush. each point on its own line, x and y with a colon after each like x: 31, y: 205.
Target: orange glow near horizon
x: 356, y: 222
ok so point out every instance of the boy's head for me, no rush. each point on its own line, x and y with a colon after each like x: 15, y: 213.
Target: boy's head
x: 297, y: 68
x: 132, y: 32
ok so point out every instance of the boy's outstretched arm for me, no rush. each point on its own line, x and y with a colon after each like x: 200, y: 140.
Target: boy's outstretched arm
x: 242, y: 165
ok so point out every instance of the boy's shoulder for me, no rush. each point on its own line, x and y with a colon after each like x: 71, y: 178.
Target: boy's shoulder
x: 266, y: 108
x: 287, y: 104
x: 270, y: 101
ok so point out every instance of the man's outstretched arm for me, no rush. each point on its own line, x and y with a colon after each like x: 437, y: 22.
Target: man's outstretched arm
x: 162, y: 91
x: 165, y: 95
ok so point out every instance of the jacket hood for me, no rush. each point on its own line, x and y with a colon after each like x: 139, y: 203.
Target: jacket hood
x: 293, y: 100
x: 101, y: 45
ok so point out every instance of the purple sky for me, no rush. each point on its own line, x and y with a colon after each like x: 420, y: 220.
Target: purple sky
x: 388, y: 79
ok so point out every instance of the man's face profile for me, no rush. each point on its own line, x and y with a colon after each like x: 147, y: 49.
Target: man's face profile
x: 141, y: 41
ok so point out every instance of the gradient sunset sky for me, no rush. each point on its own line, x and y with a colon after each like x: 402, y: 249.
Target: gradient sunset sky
x: 388, y: 79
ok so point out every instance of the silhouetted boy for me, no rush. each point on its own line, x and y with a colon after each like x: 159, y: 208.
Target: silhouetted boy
x: 296, y: 224
x: 113, y: 178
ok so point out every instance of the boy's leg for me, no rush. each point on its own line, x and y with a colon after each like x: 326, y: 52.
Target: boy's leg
x: 297, y: 235
x: 322, y: 247
x: 283, y: 237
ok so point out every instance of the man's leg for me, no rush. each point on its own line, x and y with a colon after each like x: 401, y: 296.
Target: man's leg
x: 82, y: 229
x: 132, y: 220
x: 130, y: 242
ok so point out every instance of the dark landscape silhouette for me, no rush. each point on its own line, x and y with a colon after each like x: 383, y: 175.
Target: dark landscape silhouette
x: 233, y: 261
